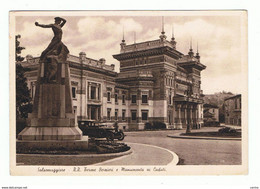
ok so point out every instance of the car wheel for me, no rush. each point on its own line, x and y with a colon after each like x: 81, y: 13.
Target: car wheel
x: 121, y: 135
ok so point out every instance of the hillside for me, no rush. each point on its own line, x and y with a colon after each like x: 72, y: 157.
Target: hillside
x: 217, y: 98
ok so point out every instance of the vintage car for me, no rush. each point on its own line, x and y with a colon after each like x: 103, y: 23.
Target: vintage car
x: 95, y: 129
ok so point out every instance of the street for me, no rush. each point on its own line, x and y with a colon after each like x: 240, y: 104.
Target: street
x: 191, y: 151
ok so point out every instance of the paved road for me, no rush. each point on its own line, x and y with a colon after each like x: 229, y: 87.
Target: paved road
x: 143, y: 155
x: 191, y: 151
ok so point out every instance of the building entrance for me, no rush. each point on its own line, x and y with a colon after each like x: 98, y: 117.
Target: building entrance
x: 94, y: 112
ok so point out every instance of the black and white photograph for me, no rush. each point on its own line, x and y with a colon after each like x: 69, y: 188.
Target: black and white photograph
x: 128, y: 93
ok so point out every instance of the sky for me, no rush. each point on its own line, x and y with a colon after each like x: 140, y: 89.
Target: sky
x: 218, y: 38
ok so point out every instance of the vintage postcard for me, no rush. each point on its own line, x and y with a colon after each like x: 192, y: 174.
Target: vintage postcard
x: 128, y: 93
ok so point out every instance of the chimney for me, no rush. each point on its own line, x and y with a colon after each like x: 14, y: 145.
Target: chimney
x: 113, y: 66
x: 29, y: 58
x: 102, y: 61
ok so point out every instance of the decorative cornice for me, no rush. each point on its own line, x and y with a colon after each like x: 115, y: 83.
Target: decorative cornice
x: 193, y: 64
x: 91, y: 68
x: 149, y: 52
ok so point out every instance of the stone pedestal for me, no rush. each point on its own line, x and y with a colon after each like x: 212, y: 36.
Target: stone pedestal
x: 188, y: 129
x: 25, y: 145
x: 53, y: 118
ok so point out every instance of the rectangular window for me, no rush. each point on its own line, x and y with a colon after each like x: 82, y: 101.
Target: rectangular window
x: 170, y: 99
x: 73, y: 92
x: 75, y: 109
x: 144, y: 99
x: 116, y: 98
x: 116, y: 114
x: 109, y: 114
x: 133, y: 99
x: 145, y: 115
x: 133, y: 115
x: 108, y: 96
x: 123, y: 99
x: 123, y: 115
x: 93, y: 92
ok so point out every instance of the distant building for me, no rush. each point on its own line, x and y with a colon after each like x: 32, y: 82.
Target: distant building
x: 210, y: 115
x: 156, y: 83
x: 232, y: 107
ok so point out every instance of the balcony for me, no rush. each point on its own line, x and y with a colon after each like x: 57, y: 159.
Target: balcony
x: 94, y: 102
x: 187, y: 99
x: 144, y: 73
x: 182, y: 79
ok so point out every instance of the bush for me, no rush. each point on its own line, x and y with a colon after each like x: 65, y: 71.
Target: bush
x: 20, y: 125
x: 227, y: 130
x: 106, y: 147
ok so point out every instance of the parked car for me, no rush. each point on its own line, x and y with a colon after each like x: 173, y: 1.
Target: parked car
x: 100, y: 130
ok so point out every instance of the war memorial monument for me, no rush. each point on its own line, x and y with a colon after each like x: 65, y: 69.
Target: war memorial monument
x: 52, y: 124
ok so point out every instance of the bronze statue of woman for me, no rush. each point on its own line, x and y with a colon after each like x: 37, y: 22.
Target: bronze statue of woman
x: 56, y: 40
x: 56, y: 52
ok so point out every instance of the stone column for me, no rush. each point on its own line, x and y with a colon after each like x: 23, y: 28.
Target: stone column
x: 185, y: 114
x: 89, y: 91
x: 179, y: 123
x: 191, y: 116
x: 196, y: 116
x: 188, y: 124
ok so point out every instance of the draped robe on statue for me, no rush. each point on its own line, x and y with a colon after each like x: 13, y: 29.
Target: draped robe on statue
x: 55, y: 53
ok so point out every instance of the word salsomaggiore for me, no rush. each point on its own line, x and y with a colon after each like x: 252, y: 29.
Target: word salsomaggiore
x: 54, y: 170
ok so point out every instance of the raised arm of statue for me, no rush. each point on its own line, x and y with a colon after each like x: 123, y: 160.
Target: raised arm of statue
x: 56, y: 47
x: 43, y: 26
x: 63, y: 22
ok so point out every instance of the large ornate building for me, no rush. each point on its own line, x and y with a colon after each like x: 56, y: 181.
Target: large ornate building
x: 156, y: 83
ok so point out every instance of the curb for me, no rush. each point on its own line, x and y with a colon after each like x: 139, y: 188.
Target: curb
x: 174, y: 162
x: 79, y: 155
x: 204, y: 138
x: 175, y: 158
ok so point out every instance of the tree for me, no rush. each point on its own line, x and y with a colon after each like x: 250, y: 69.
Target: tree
x: 23, y: 99
x: 18, y: 49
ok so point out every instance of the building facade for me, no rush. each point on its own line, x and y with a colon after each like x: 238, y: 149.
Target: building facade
x: 156, y: 83
x: 232, y: 107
